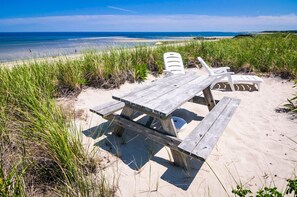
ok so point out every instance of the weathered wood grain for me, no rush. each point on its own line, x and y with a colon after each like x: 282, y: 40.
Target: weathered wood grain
x: 167, y: 140
x: 127, y: 113
x: 200, y: 142
x: 149, y: 121
x: 179, y: 158
x: 155, y: 86
x: 204, y: 148
x: 209, y: 98
x: 108, y: 108
x: 200, y: 100
x: 167, y: 94
x: 179, y: 96
x: 157, y: 93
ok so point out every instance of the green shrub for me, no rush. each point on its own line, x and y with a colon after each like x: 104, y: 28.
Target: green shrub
x: 292, y: 187
x: 268, y: 191
x: 241, y: 191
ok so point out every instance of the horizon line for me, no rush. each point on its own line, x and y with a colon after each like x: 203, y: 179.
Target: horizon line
x: 289, y: 30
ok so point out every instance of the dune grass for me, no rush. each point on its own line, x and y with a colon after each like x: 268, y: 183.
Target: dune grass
x: 41, y: 152
x: 275, y: 53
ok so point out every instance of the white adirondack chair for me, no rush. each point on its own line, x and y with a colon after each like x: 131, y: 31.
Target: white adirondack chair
x: 223, y: 75
x: 173, y: 63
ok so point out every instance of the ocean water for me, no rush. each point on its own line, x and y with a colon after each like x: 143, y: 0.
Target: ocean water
x: 26, y: 45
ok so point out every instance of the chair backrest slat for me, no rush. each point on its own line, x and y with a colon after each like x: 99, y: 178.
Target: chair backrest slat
x: 174, y: 63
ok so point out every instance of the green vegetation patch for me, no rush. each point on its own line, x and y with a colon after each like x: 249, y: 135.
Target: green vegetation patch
x: 39, y: 152
x: 290, y: 190
x: 274, y: 53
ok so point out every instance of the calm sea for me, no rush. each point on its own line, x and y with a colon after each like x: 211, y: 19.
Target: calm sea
x: 18, y: 46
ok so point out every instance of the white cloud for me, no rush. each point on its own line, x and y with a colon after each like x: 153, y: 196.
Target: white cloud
x: 150, y: 23
x: 121, y: 9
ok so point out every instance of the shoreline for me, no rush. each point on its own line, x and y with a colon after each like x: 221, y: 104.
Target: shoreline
x: 157, y: 42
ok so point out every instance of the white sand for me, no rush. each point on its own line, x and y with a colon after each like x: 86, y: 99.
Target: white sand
x: 254, y: 150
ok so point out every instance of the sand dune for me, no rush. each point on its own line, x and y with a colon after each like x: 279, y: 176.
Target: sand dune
x: 254, y: 150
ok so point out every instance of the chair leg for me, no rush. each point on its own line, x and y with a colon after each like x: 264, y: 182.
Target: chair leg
x: 231, y: 83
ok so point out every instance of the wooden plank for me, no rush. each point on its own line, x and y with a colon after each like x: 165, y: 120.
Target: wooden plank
x: 202, y: 139
x: 167, y: 104
x: 191, y: 141
x: 149, y: 121
x: 183, y: 88
x: 155, y: 86
x: 167, y: 140
x: 200, y: 100
x: 127, y: 113
x: 209, y: 98
x: 158, y: 83
x: 179, y: 158
x: 204, y: 148
x: 131, y: 94
x: 172, y: 97
x: 161, y: 95
x: 168, y: 126
x: 145, y: 111
x: 142, y: 91
x: 105, y: 105
x: 157, y: 93
x: 153, y: 92
x: 107, y: 108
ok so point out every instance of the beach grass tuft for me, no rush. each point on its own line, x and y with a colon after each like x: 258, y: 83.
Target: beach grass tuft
x: 40, y: 149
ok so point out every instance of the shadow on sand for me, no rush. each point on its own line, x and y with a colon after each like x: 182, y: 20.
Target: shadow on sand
x: 136, y: 150
x: 225, y: 87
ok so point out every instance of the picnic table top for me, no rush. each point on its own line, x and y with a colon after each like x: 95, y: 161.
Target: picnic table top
x: 164, y: 96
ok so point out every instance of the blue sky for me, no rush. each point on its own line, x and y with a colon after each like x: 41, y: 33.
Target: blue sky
x: 147, y: 15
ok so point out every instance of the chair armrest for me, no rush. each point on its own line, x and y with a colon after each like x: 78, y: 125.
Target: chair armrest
x: 223, y: 74
x: 221, y: 69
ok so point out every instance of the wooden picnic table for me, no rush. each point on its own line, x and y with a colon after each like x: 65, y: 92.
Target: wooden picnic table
x: 162, y: 97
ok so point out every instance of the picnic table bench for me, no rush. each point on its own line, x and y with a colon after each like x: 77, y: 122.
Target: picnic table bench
x: 158, y: 100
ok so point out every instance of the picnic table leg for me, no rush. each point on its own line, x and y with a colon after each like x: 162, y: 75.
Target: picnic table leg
x: 209, y: 98
x: 179, y: 158
x: 127, y: 113
x: 149, y: 122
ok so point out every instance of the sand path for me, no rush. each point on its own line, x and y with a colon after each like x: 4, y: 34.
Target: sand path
x: 254, y: 150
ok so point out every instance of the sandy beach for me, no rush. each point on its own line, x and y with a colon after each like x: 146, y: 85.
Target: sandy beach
x: 255, y: 149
